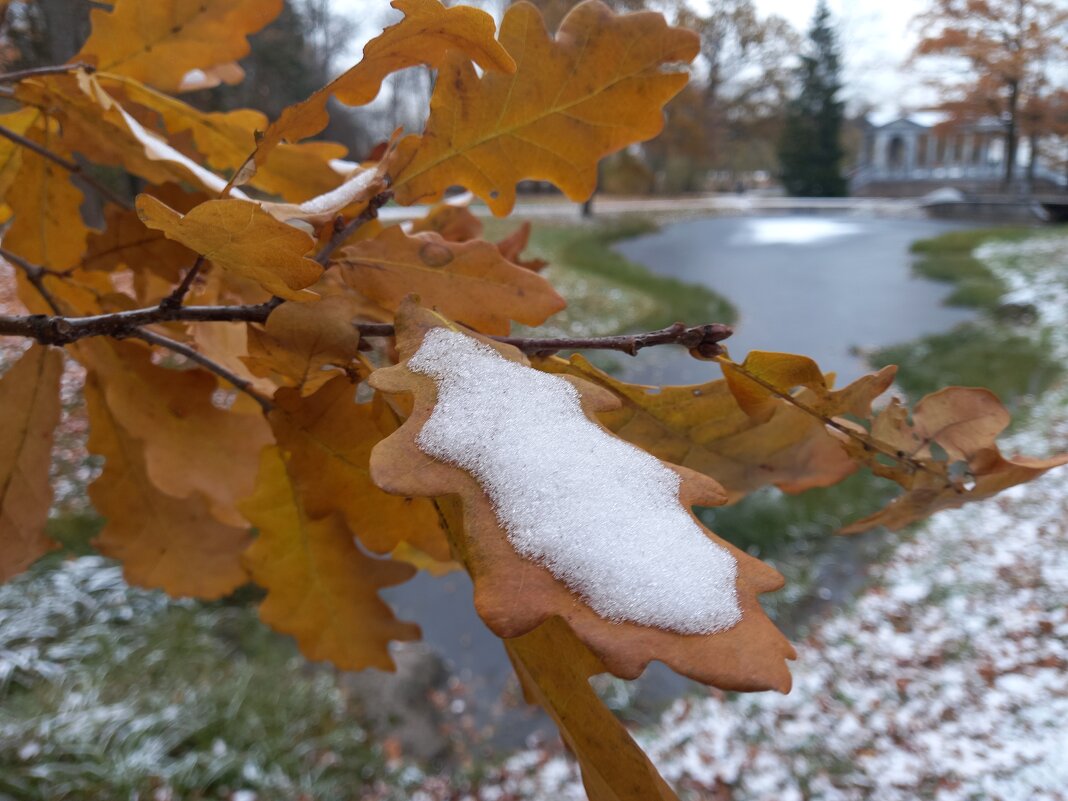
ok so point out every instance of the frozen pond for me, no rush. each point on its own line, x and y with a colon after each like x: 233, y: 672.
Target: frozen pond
x: 816, y: 285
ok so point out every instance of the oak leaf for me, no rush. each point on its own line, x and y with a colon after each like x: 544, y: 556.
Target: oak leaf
x: 29, y: 397
x: 242, y: 238
x: 162, y: 41
x: 426, y: 34
x: 191, y: 446
x: 327, y: 438
x: 163, y: 542
x: 452, y: 223
x: 300, y: 342
x: 513, y: 245
x: 11, y: 152
x: 125, y: 242
x: 514, y: 594
x: 964, y: 422
x: 320, y: 588
x: 594, y: 89
x: 703, y: 427
x: 466, y: 281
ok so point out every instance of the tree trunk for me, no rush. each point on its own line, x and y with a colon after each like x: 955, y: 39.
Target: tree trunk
x: 1032, y: 142
x: 1011, y: 135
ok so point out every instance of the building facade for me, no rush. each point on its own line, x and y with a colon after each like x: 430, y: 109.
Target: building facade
x: 911, y: 156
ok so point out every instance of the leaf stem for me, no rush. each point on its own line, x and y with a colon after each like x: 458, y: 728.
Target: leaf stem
x: 343, y: 232
x: 53, y: 69
x: 174, y: 300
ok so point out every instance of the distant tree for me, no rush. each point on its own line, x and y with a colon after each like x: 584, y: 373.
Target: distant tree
x: 810, y: 151
x: 1014, y: 53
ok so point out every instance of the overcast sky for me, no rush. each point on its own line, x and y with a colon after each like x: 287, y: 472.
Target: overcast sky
x: 876, y: 37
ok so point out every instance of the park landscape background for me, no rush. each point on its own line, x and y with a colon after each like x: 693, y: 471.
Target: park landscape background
x: 942, y: 676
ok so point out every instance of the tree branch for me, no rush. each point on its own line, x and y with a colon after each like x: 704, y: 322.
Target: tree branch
x: 195, y: 356
x: 70, y: 166
x: 54, y: 69
x: 174, y: 300
x: 344, y: 232
x: 60, y: 330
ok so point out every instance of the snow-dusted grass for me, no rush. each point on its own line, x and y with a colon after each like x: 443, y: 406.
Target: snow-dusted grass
x: 601, y: 514
x: 111, y: 692
x: 947, y: 680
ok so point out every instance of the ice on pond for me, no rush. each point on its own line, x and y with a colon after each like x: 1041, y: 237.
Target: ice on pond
x: 794, y: 230
x: 601, y: 515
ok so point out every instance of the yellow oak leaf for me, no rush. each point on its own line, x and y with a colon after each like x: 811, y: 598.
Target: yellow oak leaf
x: 513, y: 245
x: 11, y: 152
x: 752, y: 382
x: 703, y: 427
x: 47, y: 229
x: 29, y: 397
x: 327, y: 438
x: 594, y: 89
x: 240, y: 237
x: 125, y: 243
x: 321, y: 589
x: 301, y: 342
x: 162, y: 41
x: 173, y: 544
x: 514, y: 594
x: 191, y: 446
x: 467, y: 281
x: 428, y: 31
x: 554, y: 669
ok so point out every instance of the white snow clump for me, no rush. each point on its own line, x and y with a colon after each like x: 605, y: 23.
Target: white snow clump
x: 601, y: 515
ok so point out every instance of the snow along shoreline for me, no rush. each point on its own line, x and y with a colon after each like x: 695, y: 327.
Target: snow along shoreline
x: 947, y: 679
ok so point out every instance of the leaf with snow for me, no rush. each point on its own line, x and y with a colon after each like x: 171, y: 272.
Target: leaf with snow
x: 562, y: 518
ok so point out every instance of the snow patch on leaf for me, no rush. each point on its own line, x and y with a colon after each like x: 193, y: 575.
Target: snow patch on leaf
x: 601, y: 515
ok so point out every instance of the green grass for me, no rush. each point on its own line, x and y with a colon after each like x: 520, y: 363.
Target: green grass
x: 607, y: 293
x: 1010, y: 357
x: 976, y: 354
x: 115, y: 692
x: 950, y: 258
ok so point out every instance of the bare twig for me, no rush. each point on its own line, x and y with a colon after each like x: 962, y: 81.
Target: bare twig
x: 195, y: 356
x: 54, y: 69
x: 35, y: 275
x: 703, y: 338
x: 174, y: 300
x: 343, y: 232
x: 70, y: 166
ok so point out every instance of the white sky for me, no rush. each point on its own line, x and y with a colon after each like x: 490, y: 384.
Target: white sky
x: 876, y: 37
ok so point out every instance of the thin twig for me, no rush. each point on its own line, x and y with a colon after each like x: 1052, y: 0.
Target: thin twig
x: 70, y: 166
x: 174, y: 300
x: 35, y: 275
x: 195, y: 356
x: 54, y: 69
x: 343, y: 232
x: 703, y: 338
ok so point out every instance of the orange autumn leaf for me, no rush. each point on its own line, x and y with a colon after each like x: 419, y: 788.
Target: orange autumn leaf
x: 452, y: 223
x: 515, y: 594
x: 29, y: 397
x: 11, y: 152
x: 300, y: 342
x: 191, y: 446
x: 173, y: 544
x: 594, y: 89
x: 783, y: 371
x: 321, y: 589
x: 327, y: 438
x: 513, y: 245
x: 703, y: 427
x: 426, y: 34
x: 466, y: 281
x: 964, y: 422
x: 240, y: 237
x: 162, y: 41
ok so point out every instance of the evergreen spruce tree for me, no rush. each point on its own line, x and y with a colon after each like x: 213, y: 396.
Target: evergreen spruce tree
x: 810, y: 153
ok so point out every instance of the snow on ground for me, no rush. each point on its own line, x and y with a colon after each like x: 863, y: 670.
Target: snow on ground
x: 947, y: 679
